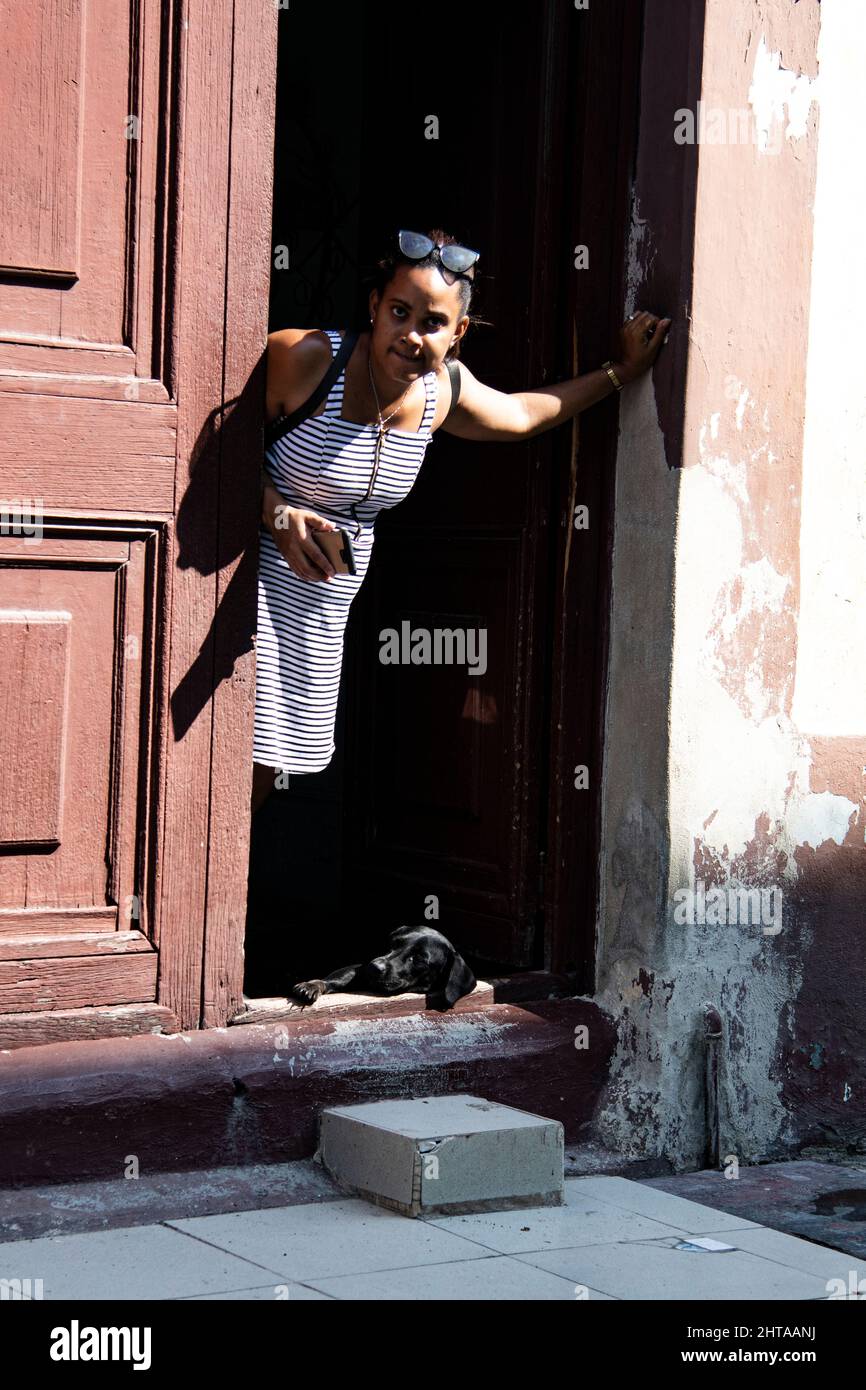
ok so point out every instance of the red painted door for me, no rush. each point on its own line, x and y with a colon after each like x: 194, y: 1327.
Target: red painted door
x: 134, y: 261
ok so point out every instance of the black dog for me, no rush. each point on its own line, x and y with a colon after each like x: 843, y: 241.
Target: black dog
x: 421, y: 961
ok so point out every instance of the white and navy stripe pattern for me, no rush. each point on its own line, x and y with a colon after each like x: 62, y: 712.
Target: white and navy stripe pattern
x: 324, y: 463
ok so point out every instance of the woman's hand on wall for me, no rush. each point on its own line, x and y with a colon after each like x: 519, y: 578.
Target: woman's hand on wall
x: 641, y: 338
x: 292, y: 528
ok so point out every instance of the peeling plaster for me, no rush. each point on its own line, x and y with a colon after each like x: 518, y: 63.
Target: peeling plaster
x: 370, y: 1034
x: 822, y: 817
x: 641, y: 257
x: 773, y: 89
x: 724, y: 696
x: 726, y: 609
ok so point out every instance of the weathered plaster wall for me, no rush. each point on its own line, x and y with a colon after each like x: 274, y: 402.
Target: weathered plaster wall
x: 736, y: 719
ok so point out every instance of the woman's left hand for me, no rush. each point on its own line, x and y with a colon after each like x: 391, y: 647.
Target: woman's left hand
x: 641, y: 338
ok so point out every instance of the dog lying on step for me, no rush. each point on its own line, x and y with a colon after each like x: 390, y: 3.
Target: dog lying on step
x: 421, y: 961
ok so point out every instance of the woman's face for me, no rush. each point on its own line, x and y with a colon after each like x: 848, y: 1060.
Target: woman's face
x: 417, y: 319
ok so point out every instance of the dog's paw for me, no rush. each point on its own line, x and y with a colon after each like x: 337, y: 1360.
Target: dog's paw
x: 307, y: 992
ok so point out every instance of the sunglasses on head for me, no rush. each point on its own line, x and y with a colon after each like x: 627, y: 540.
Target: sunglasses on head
x: 415, y: 246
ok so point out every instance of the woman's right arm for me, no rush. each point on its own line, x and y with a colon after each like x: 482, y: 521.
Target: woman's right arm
x: 296, y: 360
x: 292, y: 530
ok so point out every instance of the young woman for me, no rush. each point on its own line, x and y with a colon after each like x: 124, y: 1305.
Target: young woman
x: 361, y: 452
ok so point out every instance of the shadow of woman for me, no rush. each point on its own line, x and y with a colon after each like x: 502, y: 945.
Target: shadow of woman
x: 217, y: 530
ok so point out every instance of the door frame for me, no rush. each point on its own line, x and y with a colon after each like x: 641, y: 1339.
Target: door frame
x: 647, y: 60
x: 606, y: 118
x: 226, y: 81
x: 593, y: 154
x: 629, y: 85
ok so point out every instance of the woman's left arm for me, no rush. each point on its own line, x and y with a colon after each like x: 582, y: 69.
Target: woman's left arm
x: 489, y: 416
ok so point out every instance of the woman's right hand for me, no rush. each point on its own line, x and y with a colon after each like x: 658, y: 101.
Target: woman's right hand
x: 641, y: 339
x: 292, y: 528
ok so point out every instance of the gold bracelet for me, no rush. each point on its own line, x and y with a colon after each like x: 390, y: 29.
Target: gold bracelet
x: 608, y: 367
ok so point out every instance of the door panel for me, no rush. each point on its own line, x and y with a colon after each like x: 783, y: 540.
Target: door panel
x: 83, y: 219
x: 76, y: 638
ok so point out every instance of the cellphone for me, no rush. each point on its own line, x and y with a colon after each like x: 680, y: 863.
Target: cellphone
x: 337, y: 545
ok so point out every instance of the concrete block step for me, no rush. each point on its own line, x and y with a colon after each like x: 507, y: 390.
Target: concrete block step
x: 443, y: 1155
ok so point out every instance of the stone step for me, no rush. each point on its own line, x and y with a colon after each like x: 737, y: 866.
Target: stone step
x: 443, y: 1155
x: 232, y: 1096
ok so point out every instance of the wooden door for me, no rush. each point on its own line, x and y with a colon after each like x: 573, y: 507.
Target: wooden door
x: 134, y: 266
x: 462, y: 787
x: 448, y: 771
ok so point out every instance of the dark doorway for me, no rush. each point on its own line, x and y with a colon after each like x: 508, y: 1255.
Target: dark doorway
x: 440, y: 789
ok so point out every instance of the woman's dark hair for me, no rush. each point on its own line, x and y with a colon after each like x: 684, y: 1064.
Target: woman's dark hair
x: 387, y: 264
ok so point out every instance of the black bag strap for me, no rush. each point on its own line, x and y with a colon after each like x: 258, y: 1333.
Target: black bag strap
x: 454, y: 373
x: 275, y: 429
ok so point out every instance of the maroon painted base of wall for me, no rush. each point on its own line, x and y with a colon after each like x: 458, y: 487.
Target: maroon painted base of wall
x: 73, y: 1111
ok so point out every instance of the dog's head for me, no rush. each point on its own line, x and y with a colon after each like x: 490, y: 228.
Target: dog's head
x: 423, y: 961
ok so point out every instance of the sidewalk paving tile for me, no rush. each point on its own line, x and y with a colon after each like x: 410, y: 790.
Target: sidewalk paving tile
x: 612, y: 1239
x: 659, y: 1206
x: 497, y: 1278
x: 804, y: 1255
x: 264, y: 1293
x: 138, y: 1262
x: 329, y: 1239
x: 648, y: 1271
x: 582, y: 1220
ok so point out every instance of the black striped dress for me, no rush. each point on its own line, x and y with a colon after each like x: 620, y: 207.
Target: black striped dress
x: 324, y: 463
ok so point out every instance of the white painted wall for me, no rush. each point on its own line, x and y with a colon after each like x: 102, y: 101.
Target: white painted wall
x: 830, y: 686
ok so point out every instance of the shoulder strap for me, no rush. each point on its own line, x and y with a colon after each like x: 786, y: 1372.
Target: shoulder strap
x: 454, y: 373
x: 275, y: 429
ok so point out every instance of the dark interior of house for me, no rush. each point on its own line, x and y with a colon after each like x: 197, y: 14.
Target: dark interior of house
x: 413, y: 804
